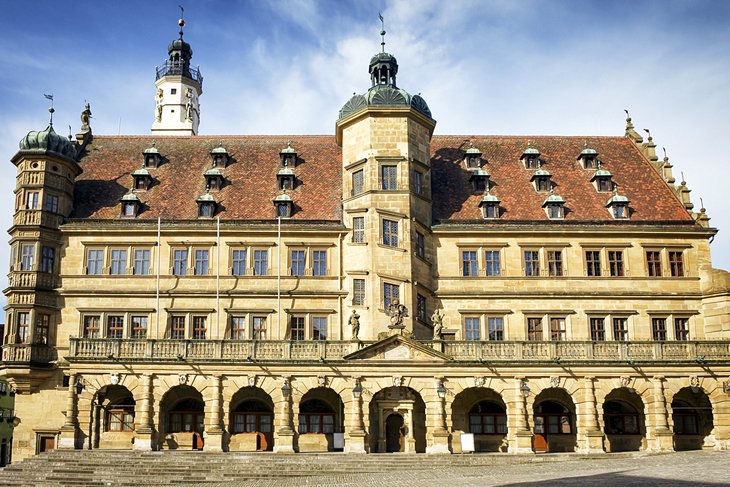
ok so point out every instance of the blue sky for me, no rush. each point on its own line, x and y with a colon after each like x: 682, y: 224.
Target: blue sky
x: 484, y: 66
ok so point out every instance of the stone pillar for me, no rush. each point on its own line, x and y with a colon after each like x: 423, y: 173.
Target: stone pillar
x: 663, y: 436
x: 521, y: 440
x: 144, y: 432
x: 214, y: 432
x: 356, y: 435
x: 285, y: 435
x: 437, y: 428
x: 590, y: 436
x: 67, y: 439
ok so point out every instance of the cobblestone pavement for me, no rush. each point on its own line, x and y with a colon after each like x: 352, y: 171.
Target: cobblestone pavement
x: 682, y: 469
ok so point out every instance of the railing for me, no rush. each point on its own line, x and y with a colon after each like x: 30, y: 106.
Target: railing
x: 36, y: 217
x: 465, y: 351
x: 32, y: 280
x: 28, y: 353
x: 179, y: 69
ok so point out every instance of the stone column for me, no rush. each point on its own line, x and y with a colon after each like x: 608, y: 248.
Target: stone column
x: 521, y: 440
x: 663, y: 436
x: 356, y: 435
x: 67, y: 438
x: 144, y: 432
x: 214, y: 432
x: 437, y: 428
x: 285, y: 435
x: 590, y: 436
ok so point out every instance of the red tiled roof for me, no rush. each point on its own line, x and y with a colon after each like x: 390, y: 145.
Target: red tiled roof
x: 252, y: 185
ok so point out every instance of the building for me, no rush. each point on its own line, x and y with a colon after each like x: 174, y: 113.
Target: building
x: 383, y: 289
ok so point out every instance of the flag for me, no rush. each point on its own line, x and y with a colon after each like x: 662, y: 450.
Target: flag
x: 380, y: 16
x: 48, y: 97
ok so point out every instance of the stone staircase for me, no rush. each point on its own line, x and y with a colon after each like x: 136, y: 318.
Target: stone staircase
x: 100, y: 468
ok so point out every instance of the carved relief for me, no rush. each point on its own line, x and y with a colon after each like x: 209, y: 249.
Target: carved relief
x: 114, y: 379
x: 694, y: 382
x: 251, y: 380
x: 182, y: 379
x: 625, y: 381
x: 554, y: 381
x: 321, y: 381
x: 397, y: 381
x: 479, y: 381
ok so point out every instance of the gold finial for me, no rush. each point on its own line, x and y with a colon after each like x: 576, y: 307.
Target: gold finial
x: 181, y: 22
x: 51, y: 109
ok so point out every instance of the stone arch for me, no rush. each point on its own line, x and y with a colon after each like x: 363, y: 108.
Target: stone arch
x: 554, y: 421
x: 692, y: 418
x: 321, y: 416
x: 112, y: 417
x: 624, y: 419
x: 181, y: 418
x: 482, y: 412
x: 251, y: 420
x: 397, y: 401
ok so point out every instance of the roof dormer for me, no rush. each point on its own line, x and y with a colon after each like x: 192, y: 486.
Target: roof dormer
x: 490, y: 206
x: 207, y: 205
x: 588, y: 158
x: 283, y: 205
x: 531, y: 157
x: 130, y: 205
x: 601, y: 180
x: 288, y: 156
x: 285, y: 178
x: 618, y: 206
x: 213, y: 179
x: 473, y: 158
x: 151, y: 157
x: 541, y: 179
x: 220, y: 157
x: 554, y: 206
x: 142, y: 179
x: 479, y: 180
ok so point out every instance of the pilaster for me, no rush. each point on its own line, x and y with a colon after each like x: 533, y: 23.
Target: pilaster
x: 144, y: 432
x: 67, y: 437
x: 590, y: 437
x: 214, y: 433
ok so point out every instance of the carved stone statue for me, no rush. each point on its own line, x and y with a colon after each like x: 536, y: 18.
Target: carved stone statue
x: 189, y: 104
x: 355, y: 324
x: 158, y: 103
x: 85, y: 116
x: 397, y: 312
x: 438, y: 324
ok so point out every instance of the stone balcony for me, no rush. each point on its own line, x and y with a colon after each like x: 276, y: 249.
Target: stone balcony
x: 503, y: 352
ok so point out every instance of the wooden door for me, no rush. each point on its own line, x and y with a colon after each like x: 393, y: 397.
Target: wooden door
x: 539, y: 439
x: 394, y: 433
x: 48, y: 443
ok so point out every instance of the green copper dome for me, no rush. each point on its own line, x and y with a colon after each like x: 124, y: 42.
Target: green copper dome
x: 48, y: 141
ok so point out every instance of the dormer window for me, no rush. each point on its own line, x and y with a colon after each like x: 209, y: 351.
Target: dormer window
x: 283, y: 205
x: 213, y: 179
x: 288, y: 156
x: 602, y: 180
x: 220, y: 157
x: 490, y: 206
x: 152, y: 157
x: 541, y: 180
x: 473, y: 158
x: 130, y: 205
x: 479, y: 180
x: 285, y: 178
x: 554, y: 206
x: 207, y: 206
x: 142, y: 179
x: 588, y: 158
x: 618, y: 206
x: 530, y: 158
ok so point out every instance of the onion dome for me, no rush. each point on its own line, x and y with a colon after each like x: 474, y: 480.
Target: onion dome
x: 48, y: 141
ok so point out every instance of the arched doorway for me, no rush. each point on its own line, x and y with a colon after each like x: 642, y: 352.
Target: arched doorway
x: 692, y: 417
x: 114, y: 418
x: 251, y: 421
x: 554, y: 422
x: 385, y: 409
x: 481, y: 412
x: 623, y: 418
x: 182, y: 419
x: 321, y: 421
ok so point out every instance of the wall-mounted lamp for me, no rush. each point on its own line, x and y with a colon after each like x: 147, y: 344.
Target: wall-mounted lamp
x: 441, y: 389
x: 357, y: 390
x: 286, y: 389
x: 525, y: 389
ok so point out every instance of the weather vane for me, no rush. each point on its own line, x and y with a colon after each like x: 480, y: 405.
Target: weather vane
x: 382, y: 31
x: 181, y: 22
x: 50, y: 110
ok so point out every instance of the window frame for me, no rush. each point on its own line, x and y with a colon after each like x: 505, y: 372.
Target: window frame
x: 592, y: 262
x: 391, y: 292
x: 358, y: 295
x: 616, y: 266
x: 620, y: 334
x: 535, y: 333
x: 358, y: 182
x: 653, y: 264
x: 139, y: 264
x: 298, y: 333
x: 239, y: 261
x: 597, y: 333
x: 51, y: 203
x: 659, y: 328
x: 555, y: 262
x: 494, y: 333
x: 48, y: 259
x: 358, y: 229
x: 472, y: 328
x: 258, y: 262
x: 389, y: 177
x: 98, y: 261
x: 558, y: 328
x: 319, y: 325
x: 492, y: 266
x: 531, y: 267
x: 390, y: 233
x: 469, y: 262
x: 118, y: 265
x: 681, y: 328
x: 676, y: 263
x: 420, y: 242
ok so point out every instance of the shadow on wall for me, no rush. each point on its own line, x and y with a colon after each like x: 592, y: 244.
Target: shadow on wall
x: 612, y: 480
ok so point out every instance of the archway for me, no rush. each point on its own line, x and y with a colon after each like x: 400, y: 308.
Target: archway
x: 251, y: 421
x: 398, y: 401
x: 321, y: 421
x: 182, y: 419
x: 692, y: 417
x: 483, y: 413
x: 623, y: 418
x: 554, y: 422
x: 114, y: 418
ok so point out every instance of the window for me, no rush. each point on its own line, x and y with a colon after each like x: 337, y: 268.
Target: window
x: 129, y: 209
x: 659, y: 329
x: 319, y: 262
x: 239, y: 263
x: 319, y: 328
x: 316, y: 417
x: 91, y: 326
x: 676, y: 264
x: 141, y: 262
x: 297, y: 327
x: 177, y: 328
x: 417, y: 182
x: 557, y: 329
x: 421, y: 308
x: 283, y: 209
x: 48, y: 259
x: 199, y: 327
x: 620, y: 329
x: 681, y: 329
x: 495, y: 328
x: 358, y: 182
x: 260, y: 262
x: 555, y: 263
x: 297, y: 262
x: 120, y: 418
x: 358, y: 292
x: 42, y: 325
x: 23, y: 328
x: 492, y: 262
x: 51, y: 203
x: 616, y: 263
x: 389, y: 177
x: 115, y: 327
x: 593, y: 263
x: 532, y: 264
x: 259, y: 328
x: 238, y: 328
x: 390, y: 293
x: 542, y: 184
x: 118, y: 262
x: 555, y: 211
x: 534, y: 329
x: 491, y: 210
x: 390, y: 233
x: 358, y: 229
x: 598, y: 329
x: 31, y: 200
x: 469, y: 263
x: 487, y: 418
x: 653, y: 263
x: 604, y: 184
x: 201, y: 262
x: 620, y: 211
x: 420, y: 245
x: 27, y: 255
x: 471, y: 328
x: 139, y: 327
x: 179, y: 262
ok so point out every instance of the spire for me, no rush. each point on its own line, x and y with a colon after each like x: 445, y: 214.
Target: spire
x: 50, y: 109
x: 382, y: 33
x: 383, y: 66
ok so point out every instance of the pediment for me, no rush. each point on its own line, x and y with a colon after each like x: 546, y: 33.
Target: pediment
x: 398, y: 348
